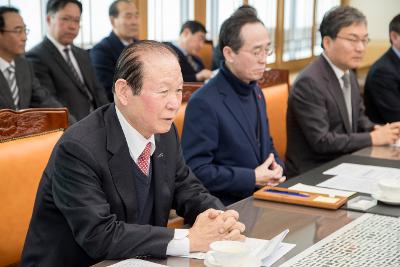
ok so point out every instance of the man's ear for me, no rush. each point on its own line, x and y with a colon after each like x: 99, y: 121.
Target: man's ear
x: 229, y: 54
x: 122, y: 91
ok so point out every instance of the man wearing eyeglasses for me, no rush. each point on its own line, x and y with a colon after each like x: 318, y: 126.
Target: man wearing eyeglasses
x: 226, y: 139
x: 325, y: 117
x: 382, y: 87
x: 19, y: 88
x: 64, y: 68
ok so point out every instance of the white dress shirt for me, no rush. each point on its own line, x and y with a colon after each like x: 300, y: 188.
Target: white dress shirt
x: 179, y: 245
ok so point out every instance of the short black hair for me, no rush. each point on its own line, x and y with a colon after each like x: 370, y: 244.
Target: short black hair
x: 53, y: 6
x: 394, y: 25
x: 3, y: 10
x: 130, y: 63
x: 337, y: 18
x: 113, y: 9
x: 229, y: 34
x: 194, y: 26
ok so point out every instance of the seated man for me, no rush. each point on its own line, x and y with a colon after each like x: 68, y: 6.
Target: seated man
x: 226, y: 139
x: 112, y: 178
x: 190, y: 42
x: 382, y: 87
x: 64, y: 69
x: 124, y: 19
x: 325, y: 117
x: 19, y: 88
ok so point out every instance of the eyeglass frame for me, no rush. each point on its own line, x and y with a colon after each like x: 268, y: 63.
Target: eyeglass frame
x: 18, y: 31
x: 68, y: 20
x: 261, y: 53
x: 355, y: 41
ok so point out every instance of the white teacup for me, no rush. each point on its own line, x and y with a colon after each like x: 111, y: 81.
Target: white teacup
x: 389, y: 189
x: 228, y: 253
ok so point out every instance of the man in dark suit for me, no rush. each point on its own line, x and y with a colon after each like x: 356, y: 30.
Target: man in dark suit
x: 226, y: 139
x: 325, y: 117
x: 382, y: 87
x: 19, y: 88
x: 113, y: 177
x: 63, y: 68
x: 124, y: 19
x: 188, y: 46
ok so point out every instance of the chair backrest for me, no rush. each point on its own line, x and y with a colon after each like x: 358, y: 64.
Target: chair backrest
x: 27, y: 139
x: 206, y: 54
x: 276, y: 93
x: 188, y: 89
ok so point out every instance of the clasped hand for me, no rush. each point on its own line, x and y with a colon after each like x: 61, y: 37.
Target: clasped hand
x: 213, y: 225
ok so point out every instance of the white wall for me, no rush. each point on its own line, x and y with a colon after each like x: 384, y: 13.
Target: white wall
x: 379, y: 13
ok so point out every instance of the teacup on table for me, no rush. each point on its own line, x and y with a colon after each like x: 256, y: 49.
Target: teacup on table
x: 389, y: 190
x: 228, y: 254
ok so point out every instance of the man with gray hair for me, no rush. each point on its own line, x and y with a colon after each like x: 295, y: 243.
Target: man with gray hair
x: 325, y: 117
x: 113, y: 177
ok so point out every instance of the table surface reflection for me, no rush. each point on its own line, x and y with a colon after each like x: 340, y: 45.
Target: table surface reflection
x: 265, y: 219
x: 383, y: 152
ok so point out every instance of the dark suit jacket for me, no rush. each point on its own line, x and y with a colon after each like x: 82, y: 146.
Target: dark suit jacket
x: 318, y: 128
x: 55, y: 75
x: 31, y: 93
x: 382, y: 89
x: 86, y: 209
x: 188, y: 72
x: 104, y: 57
x: 219, y: 143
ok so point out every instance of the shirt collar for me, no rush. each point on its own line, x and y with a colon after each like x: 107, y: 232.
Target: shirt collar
x: 180, y: 48
x: 60, y: 47
x: 136, y: 141
x: 5, y: 64
x: 338, y: 72
x: 397, y: 52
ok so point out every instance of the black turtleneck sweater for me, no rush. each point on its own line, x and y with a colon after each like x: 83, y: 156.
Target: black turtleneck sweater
x: 247, y: 93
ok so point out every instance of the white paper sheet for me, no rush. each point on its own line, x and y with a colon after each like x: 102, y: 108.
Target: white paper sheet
x: 321, y: 190
x: 357, y: 177
x: 254, y: 243
x: 136, y: 263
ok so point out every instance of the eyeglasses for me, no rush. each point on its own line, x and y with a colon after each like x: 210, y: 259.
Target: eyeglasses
x: 262, y: 53
x: 70, y: 20
x: 355, y: 41
x: 18, y: 31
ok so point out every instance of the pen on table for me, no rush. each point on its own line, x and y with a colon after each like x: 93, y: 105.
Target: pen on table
x: 296, y: 194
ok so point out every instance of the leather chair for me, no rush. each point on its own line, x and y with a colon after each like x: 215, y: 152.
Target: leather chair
x: 27, y: 138
x: 188, y: 89
x: 275, y: 86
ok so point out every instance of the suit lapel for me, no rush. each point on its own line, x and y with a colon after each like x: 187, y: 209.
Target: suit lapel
x: 23, y: 91
x: 60, y: 61
x: 82, y: 67
x: 5, y: 94
x: 355, y: 94
x: 161, y: 188
x: 121, y: 164
x: 336, y: 92
x: 233, y: 104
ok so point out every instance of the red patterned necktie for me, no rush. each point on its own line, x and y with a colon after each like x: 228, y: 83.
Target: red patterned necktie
x: 144, y: 159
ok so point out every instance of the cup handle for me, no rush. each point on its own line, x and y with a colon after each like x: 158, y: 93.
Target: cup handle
x: 211, y: 259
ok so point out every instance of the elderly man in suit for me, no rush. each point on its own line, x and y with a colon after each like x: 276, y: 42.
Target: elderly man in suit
x: 191, y: 40
x: 19, y: 88
x: 325, y: 117
x: 112, y: 178
x: 63, y: 68
x: 382, y: 87
x: 124, y: 19
x: 226, y: 138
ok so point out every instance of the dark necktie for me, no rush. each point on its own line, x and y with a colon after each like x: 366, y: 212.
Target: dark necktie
x: 78, y: 79
x: 192, y: 63
x: 12, y: 83
x: 347, y: 95
x: 144, y: 159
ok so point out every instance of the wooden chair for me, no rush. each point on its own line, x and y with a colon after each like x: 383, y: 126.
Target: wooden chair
x: 188, y: 89
x: 27, y: 138
x: 206, y: 54
x: 275, y: 86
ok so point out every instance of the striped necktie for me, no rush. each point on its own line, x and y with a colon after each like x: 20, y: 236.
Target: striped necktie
x: 78, y: 78
x: 12, y: 82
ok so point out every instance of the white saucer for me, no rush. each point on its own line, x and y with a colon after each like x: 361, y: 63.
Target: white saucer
x: 209, y: 262
x: 378, y: 196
